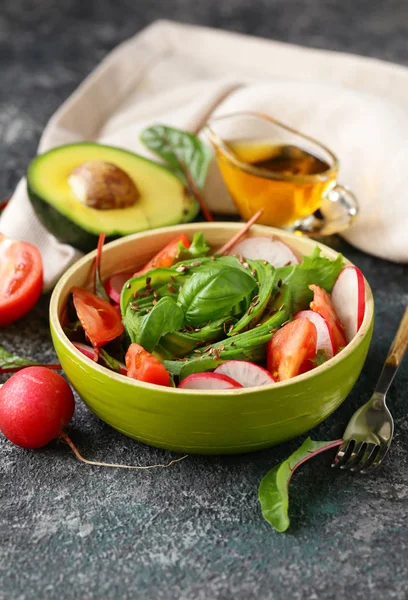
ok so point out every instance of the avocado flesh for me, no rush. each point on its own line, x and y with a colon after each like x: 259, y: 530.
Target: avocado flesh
x: 163, y: 198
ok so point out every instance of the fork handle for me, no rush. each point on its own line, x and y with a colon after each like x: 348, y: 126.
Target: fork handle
x: 394, y: 357
x: 400, y: 343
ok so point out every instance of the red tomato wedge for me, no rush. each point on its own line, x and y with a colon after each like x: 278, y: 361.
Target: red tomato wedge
x: 99, y: 319
x: 167, y: 256
x: 290, y: 347
x: 323, y: 305
x: 21, y: 278
x: 143, y: 366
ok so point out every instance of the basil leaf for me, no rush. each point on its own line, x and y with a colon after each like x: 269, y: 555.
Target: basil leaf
x: 280, y: 300
x: 254, y: 352
x: 265, y: 275
x: 181, y: 368
x: 181, y: 343
x: 164, y: 317
x: 273, y: 489
x: 214, y: 293
x: 158, y: 278
x: 314, y: 269
x: 252, y: 336
x: 11, y: 362
x: 198, y: 366
x: 179, y: 149
x: 131, y: 321
x: 249, y: 345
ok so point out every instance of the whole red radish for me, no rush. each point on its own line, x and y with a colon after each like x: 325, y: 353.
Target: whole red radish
x: 35, y: 405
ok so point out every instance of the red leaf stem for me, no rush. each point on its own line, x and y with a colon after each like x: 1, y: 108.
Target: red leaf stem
x: 240, y: 233
x: 55, y: 367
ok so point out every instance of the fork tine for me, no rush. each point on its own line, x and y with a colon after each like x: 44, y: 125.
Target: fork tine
x: 368, y: 457
x: 343, y: 453
x: 376, y: 460
x: 355, y: 456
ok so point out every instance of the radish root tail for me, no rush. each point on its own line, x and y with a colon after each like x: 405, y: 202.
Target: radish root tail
x: 95, y: 463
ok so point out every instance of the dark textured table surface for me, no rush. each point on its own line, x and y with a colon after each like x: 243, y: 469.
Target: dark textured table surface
x: 193, y: 532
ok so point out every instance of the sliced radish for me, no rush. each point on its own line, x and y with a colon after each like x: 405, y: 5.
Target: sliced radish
x: 246, y: 373
x: 323, y: 332
x: 348, y: 297
x: 89, y: 352
x: 209, y: 381
x: 114, y: 285
x: 266, y: 248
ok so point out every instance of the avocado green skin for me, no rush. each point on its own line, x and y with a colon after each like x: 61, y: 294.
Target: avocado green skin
x: 210, y: 423
x: 68, y: 232
x: 62, y: 228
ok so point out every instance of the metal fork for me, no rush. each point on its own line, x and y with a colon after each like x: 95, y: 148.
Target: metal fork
x: 368, y: 435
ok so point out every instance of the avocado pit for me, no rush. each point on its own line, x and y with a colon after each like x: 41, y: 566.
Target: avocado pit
x: 102, y: 185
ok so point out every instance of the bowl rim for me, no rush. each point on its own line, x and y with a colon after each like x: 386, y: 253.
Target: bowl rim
x: 234, y: 225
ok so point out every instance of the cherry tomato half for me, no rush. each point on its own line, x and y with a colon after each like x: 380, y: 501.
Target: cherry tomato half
x: 99, y: 319
x: 21, y: 278
x: 143, y: 366
x: 322, y: 304
x: 167, y: 255
x: 290, y: 347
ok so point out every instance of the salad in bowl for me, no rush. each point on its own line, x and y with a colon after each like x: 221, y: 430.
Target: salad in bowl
x: 189, y: 341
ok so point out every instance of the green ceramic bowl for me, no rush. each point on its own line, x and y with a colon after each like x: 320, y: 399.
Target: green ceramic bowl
x: 206, y: 422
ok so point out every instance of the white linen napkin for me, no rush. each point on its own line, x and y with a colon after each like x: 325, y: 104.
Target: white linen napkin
x: 179, y: 75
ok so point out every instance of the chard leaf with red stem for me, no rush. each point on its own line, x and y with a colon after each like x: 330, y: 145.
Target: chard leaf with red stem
x: 185, y: 154
x: 273, y: 490
x: 10, y: 363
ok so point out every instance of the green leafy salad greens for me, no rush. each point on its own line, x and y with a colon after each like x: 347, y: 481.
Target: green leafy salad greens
x: 205, y: 309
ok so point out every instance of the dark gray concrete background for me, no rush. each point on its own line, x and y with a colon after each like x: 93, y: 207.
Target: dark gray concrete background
x: 195, y: 531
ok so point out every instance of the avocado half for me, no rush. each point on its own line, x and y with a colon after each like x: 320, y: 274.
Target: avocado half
x: 163, y: 199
